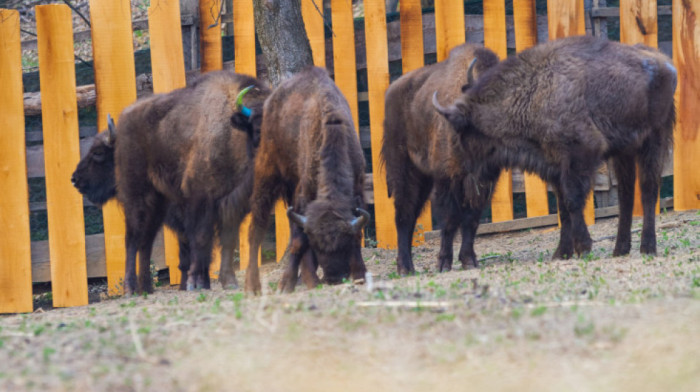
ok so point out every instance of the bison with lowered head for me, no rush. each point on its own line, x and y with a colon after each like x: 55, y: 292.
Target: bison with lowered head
x: 559, y: 109
x: 420, y: 152
x: 180, y: 158
x: 310, y: 156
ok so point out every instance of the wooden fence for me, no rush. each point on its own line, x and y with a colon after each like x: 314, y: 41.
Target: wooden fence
x: 115, y: 87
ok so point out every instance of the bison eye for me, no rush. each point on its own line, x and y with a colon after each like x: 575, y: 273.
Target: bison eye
x: 98, y: 155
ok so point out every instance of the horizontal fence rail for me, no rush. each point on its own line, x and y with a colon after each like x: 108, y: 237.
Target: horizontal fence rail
x: 338, y: 42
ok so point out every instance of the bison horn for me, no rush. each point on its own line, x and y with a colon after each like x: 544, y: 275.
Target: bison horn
x: 443, y: 110
x: 239, y: 101
x: 360, y: 221
x: 470, y: 72
x: 111, y: 129
x: 299, y: 219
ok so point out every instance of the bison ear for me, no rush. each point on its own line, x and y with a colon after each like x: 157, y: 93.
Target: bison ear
x: 456, y: 114
x: 248, y: 124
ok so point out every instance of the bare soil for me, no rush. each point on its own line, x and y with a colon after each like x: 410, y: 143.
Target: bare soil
x: 520, y: 321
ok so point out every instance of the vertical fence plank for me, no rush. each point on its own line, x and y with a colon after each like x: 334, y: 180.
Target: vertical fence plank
x: 59, y: 111
x: 112, y: 48
x: 449, y: 26
x: 686, y: 148
x: 244, y: 62
x: 15, y: 257
x: 638, y: 24
x: 168, y: 67
x: 210, y: 35
x: 565, y: 19
x: 495, y: 39
x: 211, y: 59
x: 344, y: 54
x: 412, y: 58
x: 377, y: 83
x: 525, y: 24
x: 313, y: 22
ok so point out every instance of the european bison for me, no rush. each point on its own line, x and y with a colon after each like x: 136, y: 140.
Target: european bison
x: 310, y: 156
x: 559, y: 109
x: 177, y: 158
x: 421, y: 151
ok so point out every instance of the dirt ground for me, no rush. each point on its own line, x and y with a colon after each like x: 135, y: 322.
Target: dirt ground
x: 520, y: 321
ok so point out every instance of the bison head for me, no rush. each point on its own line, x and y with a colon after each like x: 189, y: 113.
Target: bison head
x: 248, y: 119
x: 460, y: 113
x: 334, y: 236
x: 94, y: 177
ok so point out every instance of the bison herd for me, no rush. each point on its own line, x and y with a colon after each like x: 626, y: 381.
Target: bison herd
x: 199, y: 159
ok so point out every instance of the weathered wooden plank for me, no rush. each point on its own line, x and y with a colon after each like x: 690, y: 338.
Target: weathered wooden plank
x: 210, y: 35
x: 115, y: 81
x: 168, y: 65
x: 638, y: 24
x: 449, y: 26
x: 686, y: 147
x: 377, y: 83
x: 95, y: 257
x: 495, y: 39
x: 614, y: 12
x: 313, y: 23
x: 525, y: 25
x: 62, y: 153
x: 344, y: 60
x: 15, y: 255
x: 565, y: 19
x: 412, y: 58
x: 244, y: 57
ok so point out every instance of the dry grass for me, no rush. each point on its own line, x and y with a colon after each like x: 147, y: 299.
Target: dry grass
x: 598, y: 323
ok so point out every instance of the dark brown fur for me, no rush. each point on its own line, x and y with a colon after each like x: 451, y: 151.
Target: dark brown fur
x: 178, y: 158
x: 311, y: 157
x: 421, y: 151
x: 560, y: 109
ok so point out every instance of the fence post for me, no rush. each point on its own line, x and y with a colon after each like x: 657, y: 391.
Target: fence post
x: 377, y: 83
x: 638, y: 24
x: 449, y: 26
x: 686, y: 145
x: 59, y: 113
x: 211, y: 54
x: 15, y: 254
x: 115, y: 82
x: 168, y: 67
x: 313, y: 23
x: 495, y: 39
x: 412, y: 58
x: 566, y: 18
x: 525, y: 24
x: 244, y: 62
x: 344, y: 54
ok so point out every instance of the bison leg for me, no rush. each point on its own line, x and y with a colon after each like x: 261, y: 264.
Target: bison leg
x: 565, y: 249
x: 651, y: 159
x: 184, y: 265
x: 625, y: 173
x: 229, y: 242
x: 470, y: 222
x: 199, y: 225
x: 409, y: 198
x: 308, y: 268
x: 142, y: 223
x: 452, y: 212
x: 130, y: 270
x: 298, y: 248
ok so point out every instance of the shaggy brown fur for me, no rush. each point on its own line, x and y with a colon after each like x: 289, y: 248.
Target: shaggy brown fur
x: 311, y: 157
x: 177, y: 157
x: 421, y: 151
x: 560, y: 109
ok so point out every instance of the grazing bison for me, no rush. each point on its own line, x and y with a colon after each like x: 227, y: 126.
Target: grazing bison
x: 421, y: 151
x: 560, y: 109
x: 310, y: 156
x: 177, y: 158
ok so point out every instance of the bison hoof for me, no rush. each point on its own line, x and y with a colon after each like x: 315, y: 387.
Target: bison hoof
x: 646, y: 249
x: 470, y: 262
x: 560, y: 254
x: 621, y: 250
x: 403, y: 271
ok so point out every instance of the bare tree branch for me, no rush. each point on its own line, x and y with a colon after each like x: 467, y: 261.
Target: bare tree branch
x: 218, y: 17
x: 77, y: 11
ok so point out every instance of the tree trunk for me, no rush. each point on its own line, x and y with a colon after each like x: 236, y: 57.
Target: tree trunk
x: 280, y: 30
